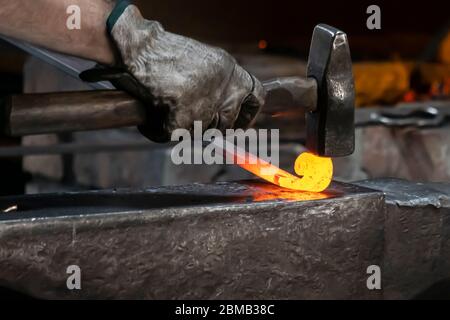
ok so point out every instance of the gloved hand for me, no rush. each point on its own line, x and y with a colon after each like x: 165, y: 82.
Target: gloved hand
x: 179, y: 79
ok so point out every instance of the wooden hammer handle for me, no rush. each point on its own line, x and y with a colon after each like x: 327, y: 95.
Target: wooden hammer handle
x: 40, y: 113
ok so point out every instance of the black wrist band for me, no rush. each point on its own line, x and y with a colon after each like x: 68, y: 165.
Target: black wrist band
x: 120, y: 7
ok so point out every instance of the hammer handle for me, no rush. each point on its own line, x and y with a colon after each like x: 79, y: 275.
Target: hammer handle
x: 40, y: 113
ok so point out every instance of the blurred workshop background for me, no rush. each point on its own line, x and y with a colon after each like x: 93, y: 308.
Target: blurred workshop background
x: 405, y: 64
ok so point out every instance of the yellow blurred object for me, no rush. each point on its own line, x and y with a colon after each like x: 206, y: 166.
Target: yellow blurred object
x: 444, y: 50
x: 434, y: 72
x: 381, y: 82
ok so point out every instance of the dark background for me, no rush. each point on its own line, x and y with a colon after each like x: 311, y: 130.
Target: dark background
x: 406, y: 25
x: 282, y: 18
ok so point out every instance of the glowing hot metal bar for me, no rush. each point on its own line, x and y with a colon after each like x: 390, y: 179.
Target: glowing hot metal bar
x: 316, y: 172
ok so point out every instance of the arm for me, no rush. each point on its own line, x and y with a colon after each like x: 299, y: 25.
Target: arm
x: 43, y: 23
x: 179, y: 79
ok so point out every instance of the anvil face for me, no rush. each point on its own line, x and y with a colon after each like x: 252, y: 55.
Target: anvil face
x: 167, y: 198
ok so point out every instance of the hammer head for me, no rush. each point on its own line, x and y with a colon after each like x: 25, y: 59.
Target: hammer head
x: 330, y: 130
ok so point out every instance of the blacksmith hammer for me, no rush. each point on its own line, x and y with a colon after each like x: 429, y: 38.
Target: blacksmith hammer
x: 327, y: 94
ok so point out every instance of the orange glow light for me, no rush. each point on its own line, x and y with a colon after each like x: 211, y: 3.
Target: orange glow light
x: 270, y: 192
x: 262, y: 44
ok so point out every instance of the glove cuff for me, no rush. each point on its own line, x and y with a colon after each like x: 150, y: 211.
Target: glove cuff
x: 115, y: 14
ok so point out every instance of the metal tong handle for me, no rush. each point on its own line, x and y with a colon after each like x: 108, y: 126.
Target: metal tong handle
x: 402, y: 117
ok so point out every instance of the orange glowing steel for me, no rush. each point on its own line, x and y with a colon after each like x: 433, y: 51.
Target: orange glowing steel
x: 315, y: 173
x: 284, y: 114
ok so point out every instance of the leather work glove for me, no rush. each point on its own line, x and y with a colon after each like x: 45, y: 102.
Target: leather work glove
x: 180, y: 80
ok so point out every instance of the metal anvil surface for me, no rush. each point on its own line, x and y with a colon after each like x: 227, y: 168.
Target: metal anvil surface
x: 239, y: 240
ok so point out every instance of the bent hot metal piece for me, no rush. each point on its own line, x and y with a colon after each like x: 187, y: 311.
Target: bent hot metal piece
x: 315, y: 173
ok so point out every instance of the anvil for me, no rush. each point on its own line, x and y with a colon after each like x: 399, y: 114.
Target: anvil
x: 231, y: 240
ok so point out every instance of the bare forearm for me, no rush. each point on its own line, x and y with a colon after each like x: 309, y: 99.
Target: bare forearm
x: 44, y: 23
